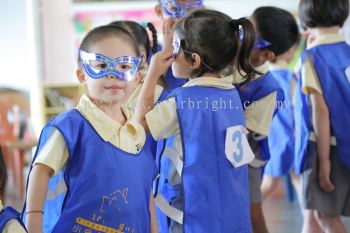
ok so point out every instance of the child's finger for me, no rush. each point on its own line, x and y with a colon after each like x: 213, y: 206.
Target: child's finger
x: 169, y: 25
x: 326, y: 184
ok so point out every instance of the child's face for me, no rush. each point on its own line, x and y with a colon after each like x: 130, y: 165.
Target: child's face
x: 259, y: 54
x: 109, y: 89
x: 176, y: 8
x: 181, y: 67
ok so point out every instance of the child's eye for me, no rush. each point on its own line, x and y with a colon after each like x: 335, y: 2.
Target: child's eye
x: 172, y: 7
x: 123, y: 67
x: 99, y: 65
x: 103, y: 66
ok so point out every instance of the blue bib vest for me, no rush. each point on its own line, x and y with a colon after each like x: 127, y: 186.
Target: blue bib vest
x: 331, y: 63
x: 215, y: 194
x: 254, y: 91
x: 150, y: 143
x: 281, y: 136
x: 107, y: 189
x: 8, y: 214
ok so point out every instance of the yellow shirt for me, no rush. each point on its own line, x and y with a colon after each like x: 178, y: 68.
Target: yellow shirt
x: 129, y: 137
x: 13, y: 226
x: 162, y: 120
x: 308, y: 74
x: 258, y: 115
x: 131, y: 104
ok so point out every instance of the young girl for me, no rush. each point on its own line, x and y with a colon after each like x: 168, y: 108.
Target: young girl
x: 207, y: 117
x: 169, y: 11
x: 141, y: 37
x: 90, y: 172
x: 283, y: 37
x: 259, y: 98
x: 10, y: 220
x: 322, y: 144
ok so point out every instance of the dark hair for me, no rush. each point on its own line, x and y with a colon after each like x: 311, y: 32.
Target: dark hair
x: 3, y: 174
x: 216, y: 38
x: 140, y: 34
x: 276, y: 26
x: 105, y: 31
x: 323, y: 13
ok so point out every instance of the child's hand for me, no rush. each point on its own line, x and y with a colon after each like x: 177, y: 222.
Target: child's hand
x: 324, y: 176
x: 160, y: 63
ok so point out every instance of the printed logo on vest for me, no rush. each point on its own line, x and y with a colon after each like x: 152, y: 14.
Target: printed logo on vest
x: 237, y: 148
x: 116, y: 201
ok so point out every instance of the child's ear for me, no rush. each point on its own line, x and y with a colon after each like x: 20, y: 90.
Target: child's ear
x: 144, y: 58
x: 81, y: 76
x: 195, y: 60
x: 266, y: 55
x: 158, y: 11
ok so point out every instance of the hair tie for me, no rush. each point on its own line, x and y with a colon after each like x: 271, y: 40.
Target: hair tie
x: 235, y: 24
x: 144, y: 24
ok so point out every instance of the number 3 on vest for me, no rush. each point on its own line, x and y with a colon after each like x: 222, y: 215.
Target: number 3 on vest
x: 237, y: 148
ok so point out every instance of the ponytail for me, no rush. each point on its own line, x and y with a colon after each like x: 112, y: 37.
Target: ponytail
x: 245, y: 29
x: 154, y: 37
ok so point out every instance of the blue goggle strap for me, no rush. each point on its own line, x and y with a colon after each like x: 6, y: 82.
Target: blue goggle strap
x: 260, y: 43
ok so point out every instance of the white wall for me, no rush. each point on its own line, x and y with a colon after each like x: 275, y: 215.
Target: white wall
x: 13, y: 45
x: 240, y: 8
x: 60, y: 52
x: 18, y: 52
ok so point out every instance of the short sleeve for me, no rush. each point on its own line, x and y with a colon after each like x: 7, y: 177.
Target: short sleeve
x: 54, y: 153
x: 309, y: 78
x: 259, y: 114
x: 162, y: 120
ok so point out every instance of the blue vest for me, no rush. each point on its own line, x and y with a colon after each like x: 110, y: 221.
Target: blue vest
x: 107, y: 189
x: 173, y: 82
x: 216, y: 195
x: 8, y: 214
x: 150, y: 143
x: 331, y: 62
x: 302, y: 117
x: 256, y: 90
x: 281, y: 136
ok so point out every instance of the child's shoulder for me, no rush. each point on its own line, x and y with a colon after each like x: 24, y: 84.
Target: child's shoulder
x: 70, y: 115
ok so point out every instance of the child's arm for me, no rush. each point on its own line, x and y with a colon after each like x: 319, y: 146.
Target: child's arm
x: 37, y: 190
x: 168, y: 31
x: 152, y: 210
x: 321, y: 125
x: 160, y: 62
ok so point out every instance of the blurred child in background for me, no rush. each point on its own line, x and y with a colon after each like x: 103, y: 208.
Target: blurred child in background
x: 170, y: 11
x: 323, y: 113
x: 10, y: 220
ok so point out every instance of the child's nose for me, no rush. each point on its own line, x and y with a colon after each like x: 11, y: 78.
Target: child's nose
x: 111, y: 76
